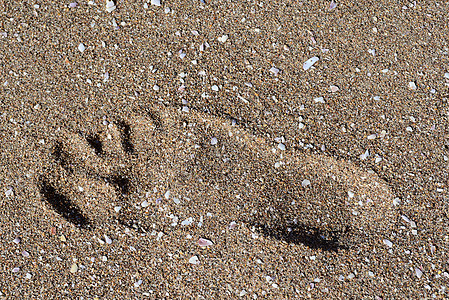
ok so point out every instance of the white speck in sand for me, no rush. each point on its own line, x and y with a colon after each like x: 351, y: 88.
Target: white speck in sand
x: 446, y: 75
x: 117, y: 208
x: 418, y: 272
x: 223, y: 38
x: 15, y: 270
x: 364, y: 155
x: 412, y: 85
x: 144, y: 203
x: 213, y: 141
x: 16, y: 240
x: 350, y: 194
x: 139, y: 282
x: 319, y: 100
x: 107, y: 239
x: 81, y: 47
x: 309, y: 63
x: 372, y: 136
x: 305, y: 182
x: 28, y: 276
x: 194, y: 260
x: 281, y: 146
x: 156, y: 2
x: 204, y: 242
x: 110, y: 6
x: 187, y: 221
x: 74, y: 268
x: 167, y: 195
x: 334, y: 88
x: 388, y: 243
x: 274, y: 70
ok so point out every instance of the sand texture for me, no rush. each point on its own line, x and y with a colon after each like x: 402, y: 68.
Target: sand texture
x: 224, y: 150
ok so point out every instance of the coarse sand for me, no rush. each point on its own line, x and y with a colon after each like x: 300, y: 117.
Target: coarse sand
x: 224, y: 150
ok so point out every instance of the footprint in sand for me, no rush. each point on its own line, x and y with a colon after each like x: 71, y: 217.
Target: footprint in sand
x: 162, y: 168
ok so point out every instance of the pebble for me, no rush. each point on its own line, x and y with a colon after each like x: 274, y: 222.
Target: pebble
x: 110, y: 6
x: 74, y: 268
x: 305, y: 182
x: 194, y: 260
x: 213, y: 141
x: 204, y: 242
x: 309, y: 63
x: 81, y: 47
x: 156, y: 2
x: 388, y: 243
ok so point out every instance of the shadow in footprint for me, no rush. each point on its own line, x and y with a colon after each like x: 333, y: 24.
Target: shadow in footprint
x: 62, y: 205
x: 125, y: 129
x: 309, y: 236
x: 95, y: 143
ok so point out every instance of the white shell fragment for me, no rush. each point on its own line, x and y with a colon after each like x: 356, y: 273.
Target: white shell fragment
x: 74, y: 268
x: 204, y: 242
x: 388, y: 243
x: 110, y: 6
x: 310, y: 63
x: 446, y: 75
x: 319, y: 100
x: 274, y: 70
x: 418, y: 272
x: 194, y: 260
x: 156, y: 2
x: 412, y: 85
x: 213, y: 141
x: 81, y: 47
x: 223, y: 38
x: 334, y: 88
x: 305, y: 182
x: 281, y: 146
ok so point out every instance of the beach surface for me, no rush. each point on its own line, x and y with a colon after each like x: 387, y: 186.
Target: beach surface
x: 224, y: 150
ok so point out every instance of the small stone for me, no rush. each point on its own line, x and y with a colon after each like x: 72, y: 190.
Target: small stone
x: 412, y: 85
x: 223, y: 38
x: 81, y: 47
x: 213, y: 141
x: 305, y: 183
x: 194, y: 260
x: 281, y: 146
x: 74, y: 268
x: 156, y: 2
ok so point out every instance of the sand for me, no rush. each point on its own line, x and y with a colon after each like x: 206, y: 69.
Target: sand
x: 184, y: 150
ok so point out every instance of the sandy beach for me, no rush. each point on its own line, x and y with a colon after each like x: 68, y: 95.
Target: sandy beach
x: 224, y: 150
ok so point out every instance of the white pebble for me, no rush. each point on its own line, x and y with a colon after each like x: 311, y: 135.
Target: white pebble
x: 412, y: 85
x: 350, y: 194
x: 281, y: 146
x: 418, y: 272
x: 15, y: 270
x: 215, y: 88
x: 308, y: 63
x: 378, y: 159
x: 213, y: 141
x: 274, y: 70
x: 187, y: 221
x: 74, y: 268
x: 194, y: 260
x: 156, y: 2
x: 305, y: 182
x: 110, y: 6
x: 107, y: 239
x: 204, y: 242
x: 301, y: 125
x: 28, y: 276
x: 388, y: 243
x: 334, y: 88
x: 223, y: 38
x: 16, y: 240
x: 319, y: 100
x: 117, y: 208
x: 446, y: 75
x: 364, y: 155
x: 8, y: 192
x: 372, y: 136
x: 167, y: 195
x: 156, y: 87
x: 139, y: 282
x: 81, y: 47
x: 409, y: 129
